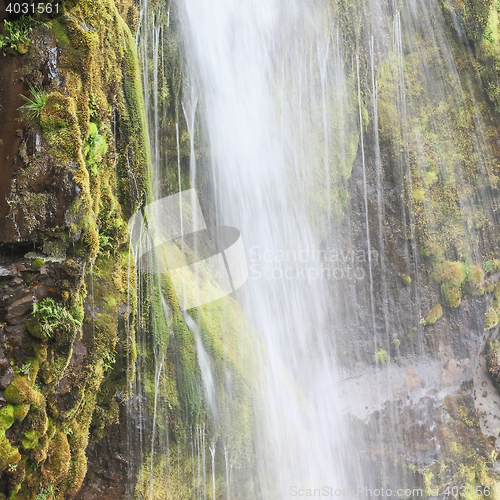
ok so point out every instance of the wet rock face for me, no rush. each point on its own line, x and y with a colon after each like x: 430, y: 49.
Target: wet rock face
x: 63, y: 236
x: 429, y: 403
x: 11, y: 86
x: 110, y: 461
x: 30, y: 356
x: 21, y: 286
x: 35, y: 194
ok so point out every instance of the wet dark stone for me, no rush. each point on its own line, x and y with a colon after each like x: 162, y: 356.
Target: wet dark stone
x: 6, y: 271
x: 20, y: 306
x: 6, y: 379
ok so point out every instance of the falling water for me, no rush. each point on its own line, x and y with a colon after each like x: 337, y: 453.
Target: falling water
x: 312, y: 126
x: 212, y: 453
x: 238, y: 52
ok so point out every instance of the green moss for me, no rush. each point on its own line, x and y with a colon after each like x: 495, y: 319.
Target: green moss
x: 56, y: 469
x: 30, y: 439
x: 100, y: 83
x: 6, y: 418
x: 77, y: 312
x: 474, y: 281
x: 8, y: 453
x: 19, y: 391
x: 406, y: 279
x: 491, y: 320
x: 434, y: 315
x: 20, y: 411
x: 180, y: 482
x: 35, y: 329
x: 451, y: 295
x: 37, y: 264
x: 60, y: 35
x: 380, y: 357
x: 449, y: 272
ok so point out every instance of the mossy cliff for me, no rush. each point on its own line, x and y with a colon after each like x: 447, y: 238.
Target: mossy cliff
x: 75, y: 324
x: 79, y: 170
x: 430, y: 157
x: 196, y: 368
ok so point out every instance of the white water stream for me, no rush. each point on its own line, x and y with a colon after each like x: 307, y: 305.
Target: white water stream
x: 267, y: 79
x: 240, y: 51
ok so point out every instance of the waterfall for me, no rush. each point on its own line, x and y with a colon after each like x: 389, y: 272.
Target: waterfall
x: 345, y: 143
x: 238, y: 50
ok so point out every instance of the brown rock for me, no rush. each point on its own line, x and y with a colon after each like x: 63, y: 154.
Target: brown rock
x: 20, y: 306
x: 6, y: 379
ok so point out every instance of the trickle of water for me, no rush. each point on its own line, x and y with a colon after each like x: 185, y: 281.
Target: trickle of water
x: 203, y: 448
x: 227, y: 473
x: 212, y: 453
x: 204, y: 363
x: 153, y: 433
x: 365, y: 195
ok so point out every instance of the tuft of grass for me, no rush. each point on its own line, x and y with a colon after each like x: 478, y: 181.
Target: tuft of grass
x: 34, y: 105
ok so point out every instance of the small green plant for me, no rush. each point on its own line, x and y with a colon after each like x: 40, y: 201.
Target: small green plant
x: 434, y: 315
x: 45, y: 493
x: 452, y: 295
x: 491, y: 266
x: 93, y: 138
x: 25, y: 369
x: 105, y: 244
x: 108, y: 360
x: 52, y: 315
x: 380, y: 357
x: 12, y: 467
x: 18, y: 32
x: 37, y: 264
x: 34, y: 105
x: 491, y: 319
